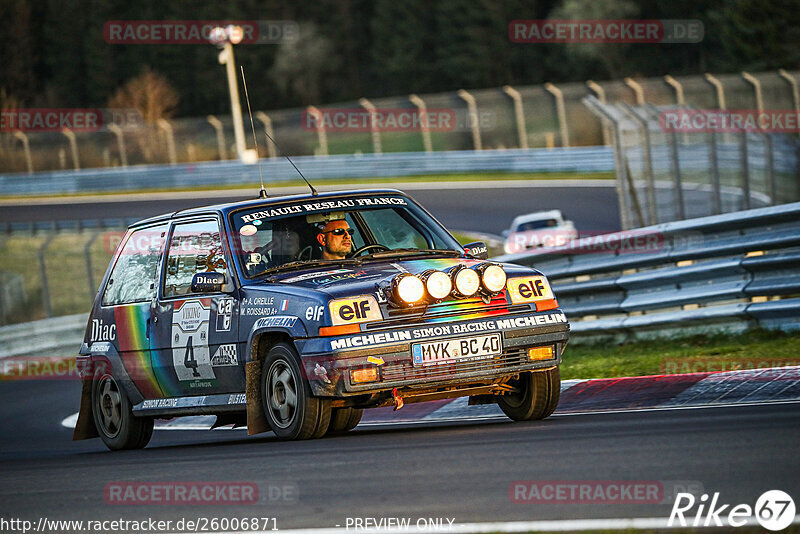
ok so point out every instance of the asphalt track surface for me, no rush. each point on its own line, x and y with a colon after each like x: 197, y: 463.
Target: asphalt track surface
x: 457, y: 205
x: 457, y: 470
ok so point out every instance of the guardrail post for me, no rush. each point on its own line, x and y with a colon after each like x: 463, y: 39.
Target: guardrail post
x: 638, y: 90
x: 373, y: 124
x: 601, y: 96
x: 168, y: 133
x: 117, y: 131
x: 519, y: 115
x: 472, y: 109
x: 424, y: 126
x: 272, y: 150
x: 647, y: 162
x: 87, y: 250
x: 48, y: 308
x: 73, y: 145
x: 322, y: 135
x: 619, y: 159
x: 217, y: 124
x: 560, y: 111
x: 26, y: 147
x: 756, y: 89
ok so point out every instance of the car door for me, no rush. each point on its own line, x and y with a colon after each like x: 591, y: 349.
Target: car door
x: 125, y: 316
x: 196, y: 334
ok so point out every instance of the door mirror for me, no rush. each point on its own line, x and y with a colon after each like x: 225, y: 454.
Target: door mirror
x: 208, y: 282
x: 477, y: 249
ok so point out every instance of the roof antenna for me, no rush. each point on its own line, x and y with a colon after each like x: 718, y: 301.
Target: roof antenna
x: 263, y: 192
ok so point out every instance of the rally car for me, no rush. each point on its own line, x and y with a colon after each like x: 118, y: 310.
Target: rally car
x: 294, y: 314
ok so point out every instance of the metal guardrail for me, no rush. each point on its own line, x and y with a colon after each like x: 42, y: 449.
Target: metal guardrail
x: 316, y: 168
x: 731, y: 271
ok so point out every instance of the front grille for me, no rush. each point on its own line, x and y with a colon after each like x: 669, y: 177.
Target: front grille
x: 509, y: 359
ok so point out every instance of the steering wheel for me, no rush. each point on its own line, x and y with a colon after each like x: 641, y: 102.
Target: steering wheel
x: 365, y: 248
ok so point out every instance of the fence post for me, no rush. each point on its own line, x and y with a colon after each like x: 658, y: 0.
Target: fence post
x: 26, y: 147
x: 638, y: 90
x: 719, y: 90
x: 167, y: 128
x: 423, y: 121
x: 619, y: 159
x: 267, y: 122
x: 647, y: 162
x: 117, y: 131
x: 756, y: 89
x: 322, y: 135
x: 745, y: 169
x: 373, y: 124
x: 217, y: 124
x: 768, y: 155
x: 560, y: 111
x: 716, y: 194
x: 472, y: 109
x: 795, y: 92
x: 519, y: 114
x: 48, y: 309
x: 601, y: 96
x: 87, y: 250
x: 73, y: 145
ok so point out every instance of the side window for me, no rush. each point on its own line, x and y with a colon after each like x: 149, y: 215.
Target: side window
x: 133, y: 278
x: 194, y: 248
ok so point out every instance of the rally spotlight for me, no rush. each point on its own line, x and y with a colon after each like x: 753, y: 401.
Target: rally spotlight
x: 493, y: 278
x: 407, y: 289
x: 465, y: 282
x: 437, y: 284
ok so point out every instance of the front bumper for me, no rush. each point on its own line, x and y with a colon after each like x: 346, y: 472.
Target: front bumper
x: 330, y: 374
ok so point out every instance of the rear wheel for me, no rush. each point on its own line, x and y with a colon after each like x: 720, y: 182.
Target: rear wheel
x: 344, y: 419
x: 286, y: 397
x: 115, y: 422
x: 535, y: 395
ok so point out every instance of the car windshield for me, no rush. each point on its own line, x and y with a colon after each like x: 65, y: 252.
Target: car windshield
x: 278, y: 237
x: 536, y: 225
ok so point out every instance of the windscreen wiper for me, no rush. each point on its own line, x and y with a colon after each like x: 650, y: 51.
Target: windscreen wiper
x: 411, y: 252
x: 292, y: 265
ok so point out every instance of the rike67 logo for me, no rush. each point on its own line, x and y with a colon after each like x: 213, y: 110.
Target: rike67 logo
x: 774, y: 510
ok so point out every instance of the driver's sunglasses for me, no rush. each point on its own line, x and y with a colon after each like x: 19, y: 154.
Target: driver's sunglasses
x: 340, y: 231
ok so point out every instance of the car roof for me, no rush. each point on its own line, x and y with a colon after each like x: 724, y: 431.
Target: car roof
x: 536, y: 216
x: 227, y: 207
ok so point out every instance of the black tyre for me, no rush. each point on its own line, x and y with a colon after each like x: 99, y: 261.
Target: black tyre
x: 535, y: 397
x: 344, y: 419
x: 291, y: 411
x: 118, y: 427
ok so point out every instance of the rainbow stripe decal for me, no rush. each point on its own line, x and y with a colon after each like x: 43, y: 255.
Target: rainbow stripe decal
x: 134, y: 347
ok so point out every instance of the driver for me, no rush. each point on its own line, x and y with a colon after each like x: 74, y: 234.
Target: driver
x: 336, y: 240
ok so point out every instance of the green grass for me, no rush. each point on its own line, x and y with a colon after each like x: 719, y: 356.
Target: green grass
x: 756, y: 348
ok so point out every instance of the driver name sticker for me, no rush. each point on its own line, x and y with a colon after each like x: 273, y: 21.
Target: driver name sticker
x: 190, y: 354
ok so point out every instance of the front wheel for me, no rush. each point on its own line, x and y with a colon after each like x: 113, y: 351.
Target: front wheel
x: 535, y: 395
x: 344, y: 419
x: 118, y: 427
x: 286, y: 397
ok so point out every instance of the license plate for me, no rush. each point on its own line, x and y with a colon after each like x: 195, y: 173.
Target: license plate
x: 450, y: 350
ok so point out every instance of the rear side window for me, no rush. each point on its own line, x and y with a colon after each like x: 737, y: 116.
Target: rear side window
x: 194, y: 248
x: 133, y: 278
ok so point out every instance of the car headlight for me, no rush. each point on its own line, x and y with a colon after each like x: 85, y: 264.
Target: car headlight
x: 408, y: 289
x: 438, y: 284
x: 466, y: 282
x: 493, y: 278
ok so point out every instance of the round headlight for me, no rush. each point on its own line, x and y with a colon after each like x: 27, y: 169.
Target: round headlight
x: 493, y: 278
x: 467, y: 282
x: 438, y: 285
x: 409, y: 288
